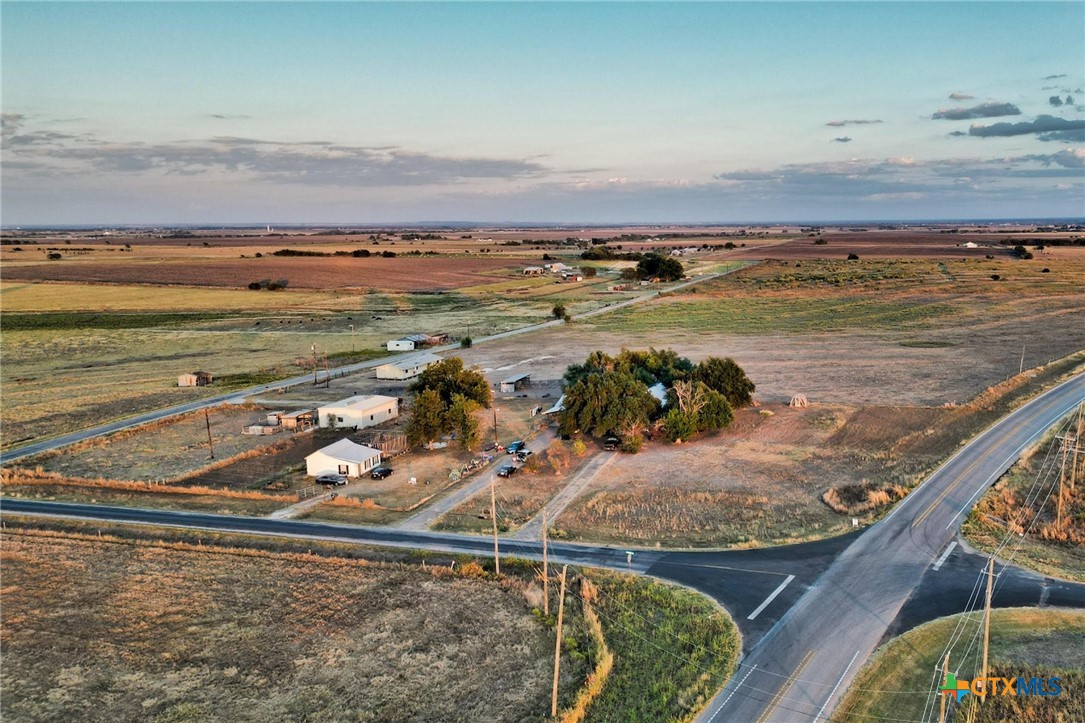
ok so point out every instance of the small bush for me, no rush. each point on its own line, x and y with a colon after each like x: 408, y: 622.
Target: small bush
x: 54, y: 256
x: 817, y: 242
x: 255, y: 286
x: 995, y: 277
x: 853, y: 257
x: 466, y: 342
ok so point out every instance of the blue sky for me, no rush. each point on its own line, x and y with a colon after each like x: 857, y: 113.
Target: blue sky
x: 546, y: 112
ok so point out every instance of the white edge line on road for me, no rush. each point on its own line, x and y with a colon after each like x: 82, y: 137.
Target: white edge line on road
x: 945, y: 555
x: 739, y: 685
x: 1004, y: 467
x: 833, y: 691
x: 912, y: 495
x: 770, y: 598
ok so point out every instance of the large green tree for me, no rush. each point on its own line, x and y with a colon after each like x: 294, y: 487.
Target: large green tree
x: 606, y: 402
x: 664, y: 268
x: 460, y: 419
x: 449, y: 378
x: 727, y: 378
x: 426, y: 421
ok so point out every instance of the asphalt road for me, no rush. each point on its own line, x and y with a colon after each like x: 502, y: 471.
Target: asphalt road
x: 117, y: 425
x: 801, y: 667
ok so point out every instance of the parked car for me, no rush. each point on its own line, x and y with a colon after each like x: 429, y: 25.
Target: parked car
x: 380, y: 472
x: 523, y: 454
x: 506, y: 471
x: 336, y: 480
x: 611, y: 443
x: 514, y: 447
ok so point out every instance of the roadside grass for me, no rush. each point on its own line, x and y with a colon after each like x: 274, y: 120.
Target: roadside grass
x: 181, y: 631
x: 1027, y: 513
x: 214, y: 503
x: 897, y: 680
x: 673, y: 649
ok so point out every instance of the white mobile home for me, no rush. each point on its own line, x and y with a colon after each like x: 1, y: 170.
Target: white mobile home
x: 358, y: 411
x: 342, y: 457
x: 407, y: 368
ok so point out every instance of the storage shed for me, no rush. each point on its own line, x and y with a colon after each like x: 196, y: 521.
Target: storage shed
x: 342, y: 457
x: 513, y: 383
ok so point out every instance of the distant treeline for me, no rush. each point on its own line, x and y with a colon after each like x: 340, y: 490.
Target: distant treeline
x: 357, y: 253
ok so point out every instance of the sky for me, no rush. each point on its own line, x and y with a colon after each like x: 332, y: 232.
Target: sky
x: 339, y: 113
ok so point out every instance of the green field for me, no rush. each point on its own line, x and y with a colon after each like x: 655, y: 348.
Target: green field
x: 896, y: 683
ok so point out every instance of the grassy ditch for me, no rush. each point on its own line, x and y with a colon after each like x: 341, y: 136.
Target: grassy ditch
x: 896, y: 683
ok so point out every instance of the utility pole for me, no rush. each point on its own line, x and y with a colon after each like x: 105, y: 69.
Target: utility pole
x: 1077, y: 445
x: 557, y: 645
x: 210, y: 445
x: 314, y: 364
x: 1062, y: 478
x: 945, y: 681
x: 495, y: 425
x: 1021, y: 367
x: 351, y: 337
x: 493, y: 515
x: 546, y: 572
x: 987, y: 621
x: 327, y: 371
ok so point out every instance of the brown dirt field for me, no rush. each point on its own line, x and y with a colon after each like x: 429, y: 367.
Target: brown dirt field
x: 398, y: 274
x: 111, y: 629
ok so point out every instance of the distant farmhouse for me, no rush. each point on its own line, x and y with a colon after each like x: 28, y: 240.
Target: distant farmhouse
x: 407, y: 368
x: 343, y: 457
x: 417, y: 341
x: 358, y: 411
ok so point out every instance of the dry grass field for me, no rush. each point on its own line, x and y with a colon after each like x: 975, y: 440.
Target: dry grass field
x: 175, y: 625
x: 111, y: 629
x: 1016, y: 519
x: 764, y: 480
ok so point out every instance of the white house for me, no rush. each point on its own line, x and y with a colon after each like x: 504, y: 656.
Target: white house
x: 358, y: 411
x: 401, y: 345
x: 343, y: 457
x: 556, y: 268
x: 407, y: 368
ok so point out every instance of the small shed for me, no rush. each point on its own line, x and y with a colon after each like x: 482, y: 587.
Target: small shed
x: 534, y: 271
x: 515, y: 383
x: 342, y: 457
x: 401, y: 345
x: 300, y: 420
x: 194, y: 379
x: 407, y: 368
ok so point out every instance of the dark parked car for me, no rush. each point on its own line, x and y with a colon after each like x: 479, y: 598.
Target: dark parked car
x: 336, y: 480
x: 514, y: 447
x: 611, y: 443
x: 506, y: 471
x: 380, y: 472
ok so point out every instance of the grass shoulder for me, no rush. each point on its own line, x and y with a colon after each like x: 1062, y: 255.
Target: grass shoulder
x: 898, y: 681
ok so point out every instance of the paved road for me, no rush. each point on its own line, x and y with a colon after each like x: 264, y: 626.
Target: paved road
x: 117, y: 425
x: 801, y: 667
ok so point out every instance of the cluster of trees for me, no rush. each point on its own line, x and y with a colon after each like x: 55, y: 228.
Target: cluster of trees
x: 606, y: 253
x: 664, y: 268
x: 356, y: 253
x: 446, y: 397
x: 610, y: 395
x: 269, y: 284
